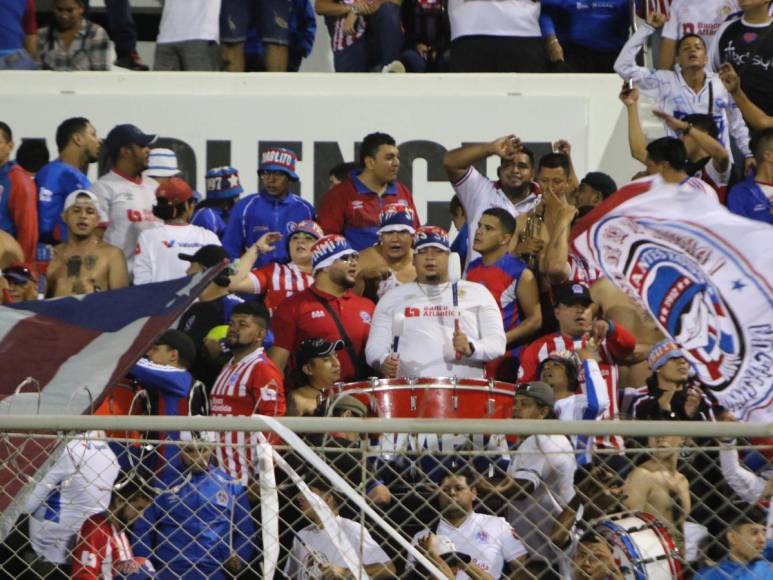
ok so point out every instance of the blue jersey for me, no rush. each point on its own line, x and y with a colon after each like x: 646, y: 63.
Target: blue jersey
x: 12, y: 14
x: 210, y: 218
x: 730, y: 570
x: 260, y: 213
x: 55, y: 181
x: 747, y: 199
x: 191, y: 525
x: 460, y: 242
x: 169, y: 388
x: 601, y: 26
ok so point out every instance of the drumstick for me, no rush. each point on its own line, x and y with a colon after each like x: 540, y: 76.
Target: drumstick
x: 398, y: 321
x: 454, y: 275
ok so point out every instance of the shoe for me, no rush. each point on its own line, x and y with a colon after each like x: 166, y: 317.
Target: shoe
x: 394, y: 67
x: 132, y: 61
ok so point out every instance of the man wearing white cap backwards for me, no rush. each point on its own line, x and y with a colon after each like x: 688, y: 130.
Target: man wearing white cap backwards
x: 84, y: 263
x: 430, y: 340
x: 389, y: 263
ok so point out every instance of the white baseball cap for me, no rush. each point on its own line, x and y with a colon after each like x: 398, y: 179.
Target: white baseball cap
x: 162, y: 163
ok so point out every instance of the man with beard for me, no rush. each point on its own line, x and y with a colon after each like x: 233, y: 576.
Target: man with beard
x: 515, y: 191
x: 328, y: 309
x: 125, y: 196
x: 389, y: 263
x: 79, y: 146
x: 489, y: 541
x: 249, y: 383
x: 84, y: 263
x: 439, y: 339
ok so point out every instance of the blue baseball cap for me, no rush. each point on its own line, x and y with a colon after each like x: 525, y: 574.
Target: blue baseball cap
x: 124, y: 135
x: 431, y: 237
x: 396, y: 217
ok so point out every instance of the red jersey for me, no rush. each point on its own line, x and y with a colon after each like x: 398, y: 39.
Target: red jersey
x: 618, y: 344
x: 275, y: 282
x: 103, y: 552
x: 252, y: 385
x: 352, y: 210
x: 302, y: 317
x: 18, y: 208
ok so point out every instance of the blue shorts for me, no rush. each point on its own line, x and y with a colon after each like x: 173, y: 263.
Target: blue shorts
x: 270, y: 17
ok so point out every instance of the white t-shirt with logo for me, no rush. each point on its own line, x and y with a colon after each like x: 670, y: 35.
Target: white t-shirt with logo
x: 426, y: 343
x: 515, y: 18
x: 312, y: 547
x: 477, y: 193
x: 128, y: 205
x: 701, y: 17
x: 156, y: 257
x: 490, y: 542
x: 184, y: 20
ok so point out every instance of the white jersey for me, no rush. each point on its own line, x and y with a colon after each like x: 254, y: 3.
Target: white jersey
x: 589, y: 406
x: 749, y: 486
x: 426, y: 344
x: 387, y: 284
x: 75, y: 488
x: 701, y: 187
x: 312, y: 547
x: 488, y: 540
x: 477, y: 193
x: 183, y: 20
x: 128, y: 204
x: 156, y: 258
x: 701, y: 17
x: 548, y: 462
x: 675, y: 97
x: 518, y: 18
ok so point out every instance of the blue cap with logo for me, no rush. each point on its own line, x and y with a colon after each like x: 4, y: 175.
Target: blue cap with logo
x: 396, y: 217
x: 223, y: 182
x: 431, y: 237
x: 279, y: 159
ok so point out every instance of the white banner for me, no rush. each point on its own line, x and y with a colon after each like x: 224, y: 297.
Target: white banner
x: 217, y: 119
x: 705, y: 276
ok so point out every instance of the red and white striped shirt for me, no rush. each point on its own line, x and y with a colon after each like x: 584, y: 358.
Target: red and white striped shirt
x: 340, y: 39
x: 252, y: 385
x: 102, y: 551
x: 275, y: 282
x: 618, y: 344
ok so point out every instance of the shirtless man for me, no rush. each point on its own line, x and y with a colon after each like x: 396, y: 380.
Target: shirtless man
x: 656, y: 487
x: 390, y: 262
x: 84, y: 264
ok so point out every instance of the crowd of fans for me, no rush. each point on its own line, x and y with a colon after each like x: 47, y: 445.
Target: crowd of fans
x: 381, y: 35
x: 356, y: 287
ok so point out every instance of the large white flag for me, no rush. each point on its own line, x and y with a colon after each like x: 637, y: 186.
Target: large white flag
x: 703, y: 273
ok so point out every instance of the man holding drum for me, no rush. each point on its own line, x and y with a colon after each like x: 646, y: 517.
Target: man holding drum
x: 438, y: 339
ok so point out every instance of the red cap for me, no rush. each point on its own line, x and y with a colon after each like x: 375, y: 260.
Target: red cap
x: 175, y: 190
